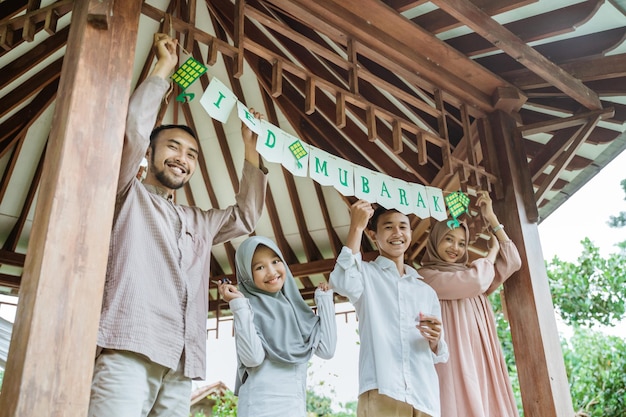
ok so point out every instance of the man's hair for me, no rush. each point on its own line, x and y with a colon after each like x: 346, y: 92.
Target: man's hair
x: 379, y: 211
x: 157, y: 130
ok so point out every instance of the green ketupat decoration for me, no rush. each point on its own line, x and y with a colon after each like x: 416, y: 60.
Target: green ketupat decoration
x: 458, y: 204
x: 298, y: 151
x: 185, y: 75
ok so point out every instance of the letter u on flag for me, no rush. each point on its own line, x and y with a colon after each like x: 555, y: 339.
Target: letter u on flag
x: 218, y: 100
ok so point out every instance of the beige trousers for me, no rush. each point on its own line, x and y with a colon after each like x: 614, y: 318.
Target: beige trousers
x: 373, y: 404
x: 128, y: 384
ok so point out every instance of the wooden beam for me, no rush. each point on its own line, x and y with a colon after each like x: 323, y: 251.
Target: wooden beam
x: 565, y: 122
x: 17, y: 68
x: 538, y: 355
x: 100, y: 13
x: 10, y: 281
x: 69, y: 262
x: 309, y: 103
x: 437, y: 21
x: 531, y: 29
x: 566, y: 157
x: 481, y: 23
x: 306, y: 43
x: 388, y: 38
x: 11, y: 258
x: 12, y: 240
x: 588, y: 69
x: 239, y: 36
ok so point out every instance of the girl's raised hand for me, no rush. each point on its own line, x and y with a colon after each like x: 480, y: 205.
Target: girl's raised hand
x: 486, y: 207
x: 228, y: 291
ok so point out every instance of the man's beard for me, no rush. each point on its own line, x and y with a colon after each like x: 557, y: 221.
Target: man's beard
x: 168, y: 182
x: 172, y: 184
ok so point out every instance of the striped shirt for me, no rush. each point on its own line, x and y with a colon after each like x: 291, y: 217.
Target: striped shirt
x: 156, y: 290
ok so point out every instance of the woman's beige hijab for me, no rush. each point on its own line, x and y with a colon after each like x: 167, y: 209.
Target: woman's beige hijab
x: 431, y: 258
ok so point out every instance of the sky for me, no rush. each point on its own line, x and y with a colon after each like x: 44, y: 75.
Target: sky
x: 585, y: 214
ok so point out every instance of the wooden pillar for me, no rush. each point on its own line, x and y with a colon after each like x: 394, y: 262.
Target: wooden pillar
x: 51, y: 356
x: 543, y: 380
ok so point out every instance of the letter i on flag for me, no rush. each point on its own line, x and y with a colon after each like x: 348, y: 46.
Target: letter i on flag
x: 185, y: 75
x: 218, y: 100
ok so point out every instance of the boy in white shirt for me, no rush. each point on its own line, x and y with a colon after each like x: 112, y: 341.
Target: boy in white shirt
x: 399, y: 318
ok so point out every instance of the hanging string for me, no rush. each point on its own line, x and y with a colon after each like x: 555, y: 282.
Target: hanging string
x: 170, y: 32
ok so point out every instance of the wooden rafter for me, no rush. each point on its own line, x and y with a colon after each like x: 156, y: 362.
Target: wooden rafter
x: 590, y: 69
x: 438, y: 20
x: 531, y: 29
x: 397, y: 42
x: 564, y: 158
x: 488, y: 28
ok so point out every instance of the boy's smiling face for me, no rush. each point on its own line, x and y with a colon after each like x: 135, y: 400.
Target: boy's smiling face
x: 392, y: 235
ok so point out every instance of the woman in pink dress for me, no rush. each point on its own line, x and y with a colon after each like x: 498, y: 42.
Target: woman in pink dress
x: 474, y: 382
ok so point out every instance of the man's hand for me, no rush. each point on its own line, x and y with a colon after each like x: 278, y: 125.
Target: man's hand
x: 167, y: 58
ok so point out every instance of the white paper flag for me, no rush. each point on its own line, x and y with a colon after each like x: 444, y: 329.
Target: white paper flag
x: 218, y: 100
x: 270, y: 143
x: 419, y: 200
x: 248, y: 118
x: 344, y: 179
x: 400, y: 192
x: 367, y: 184
x: 436, y: 204
x: 321, y: 167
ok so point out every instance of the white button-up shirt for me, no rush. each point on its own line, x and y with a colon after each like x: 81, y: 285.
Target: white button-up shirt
x: 394, y: 357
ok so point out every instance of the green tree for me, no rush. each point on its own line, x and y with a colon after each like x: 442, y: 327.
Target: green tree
x: 225, y: 405
x: 317, y: 406
x: 590, y: 291
x: 596, y: 368
x: 585, y: 294
x: 620, y: 219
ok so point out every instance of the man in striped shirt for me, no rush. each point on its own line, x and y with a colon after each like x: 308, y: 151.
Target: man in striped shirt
x: 152, y: 335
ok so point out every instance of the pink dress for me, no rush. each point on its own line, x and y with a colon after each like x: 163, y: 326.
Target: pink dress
x: 474, y: 382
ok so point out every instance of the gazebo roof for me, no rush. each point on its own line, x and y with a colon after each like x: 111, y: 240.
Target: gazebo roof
x: 399, y: 87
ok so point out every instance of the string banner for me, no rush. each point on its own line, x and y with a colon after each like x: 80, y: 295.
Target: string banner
x: 302, y: 159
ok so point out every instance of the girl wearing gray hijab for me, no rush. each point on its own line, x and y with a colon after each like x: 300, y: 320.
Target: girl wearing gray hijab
x: 276, y: 331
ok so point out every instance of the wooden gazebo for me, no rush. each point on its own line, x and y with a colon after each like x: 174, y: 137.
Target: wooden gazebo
x: 524, y: 98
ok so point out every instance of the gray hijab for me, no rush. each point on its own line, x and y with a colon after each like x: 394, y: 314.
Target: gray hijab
x: 286, y: 324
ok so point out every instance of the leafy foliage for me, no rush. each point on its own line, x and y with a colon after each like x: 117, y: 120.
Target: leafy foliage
x: 317, y: 406
x: 585, y: 294
x: 226, y: 405
x: 620, y: 219
x: 596, y: 368
x: 504, y: 334
x: 591, y: 290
